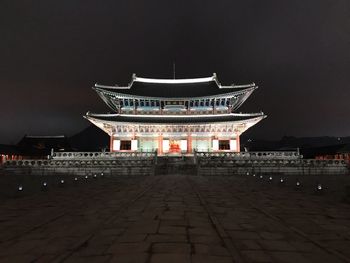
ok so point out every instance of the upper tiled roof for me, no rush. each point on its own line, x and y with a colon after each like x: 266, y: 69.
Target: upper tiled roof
x: 174, y: 88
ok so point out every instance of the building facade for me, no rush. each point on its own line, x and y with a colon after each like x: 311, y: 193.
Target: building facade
x: 175, y: 116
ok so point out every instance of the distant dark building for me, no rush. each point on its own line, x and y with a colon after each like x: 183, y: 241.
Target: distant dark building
x: 8, y: 152
x: 91, y: 139
x: 340, y: 152
x: 41, y: 146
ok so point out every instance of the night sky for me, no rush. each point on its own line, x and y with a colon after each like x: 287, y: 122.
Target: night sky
x: 53, y: 52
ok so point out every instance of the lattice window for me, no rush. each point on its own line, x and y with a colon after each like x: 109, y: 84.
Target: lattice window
x: 125, y: 145
x: 224, y: 145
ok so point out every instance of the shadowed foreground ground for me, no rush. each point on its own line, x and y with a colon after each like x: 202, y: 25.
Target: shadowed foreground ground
x: 174, y: 219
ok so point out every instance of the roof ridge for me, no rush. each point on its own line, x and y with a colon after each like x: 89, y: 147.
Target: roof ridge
x: 174, y: 81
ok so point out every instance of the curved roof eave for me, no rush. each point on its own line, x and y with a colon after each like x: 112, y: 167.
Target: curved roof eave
x: 256, y: 117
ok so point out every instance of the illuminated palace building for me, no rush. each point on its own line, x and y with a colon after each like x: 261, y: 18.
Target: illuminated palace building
x: 175, y: 116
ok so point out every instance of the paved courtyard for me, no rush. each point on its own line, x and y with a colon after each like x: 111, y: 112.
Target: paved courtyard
x: 174, y: 219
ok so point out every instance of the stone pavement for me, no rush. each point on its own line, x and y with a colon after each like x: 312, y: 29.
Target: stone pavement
x: 174, y: 219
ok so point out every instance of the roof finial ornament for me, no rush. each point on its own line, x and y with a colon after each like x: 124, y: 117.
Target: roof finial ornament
x: 174, y: 70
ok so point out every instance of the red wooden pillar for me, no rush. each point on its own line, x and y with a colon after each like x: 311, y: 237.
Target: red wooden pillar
x: 189, y: 143
x: 111, y: 143
x: 160, y: 144
x: 238, y: 143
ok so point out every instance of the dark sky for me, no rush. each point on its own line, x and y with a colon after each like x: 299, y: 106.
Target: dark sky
x: 52, y: 53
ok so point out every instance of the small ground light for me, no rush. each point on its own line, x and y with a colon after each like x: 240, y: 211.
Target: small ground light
x: 298, y: 183
x: 75, y: 179
x: 101, y: 174
x: 247, y: 173
x: 62, y: 181
x: 95, y: 175
x: 253, y: 175
x: 270, y: 178
x: 261, y: 177
x: 20, y: 188
x: 44, y: 186
x: 86, y: 177
x: 319, y: 189
x: 281, y: 180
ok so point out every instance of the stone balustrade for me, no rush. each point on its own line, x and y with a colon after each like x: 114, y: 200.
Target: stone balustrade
x: 100, y: 155
x: 275, y: 155
x: 203, y: 163
x: 270, y: 162
x: 78, y: 163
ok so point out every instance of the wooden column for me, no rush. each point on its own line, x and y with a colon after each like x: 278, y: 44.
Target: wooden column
x: 189, y: 143
x: 238, y: 144
x: 214, y: 107
x: 111, y: 143
x: 134, y: 106
x: 160, y: 144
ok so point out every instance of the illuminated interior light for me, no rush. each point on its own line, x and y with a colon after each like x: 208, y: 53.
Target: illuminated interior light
x: 215, y: 145
x: 166, y: 146
x: 183, y: 145
x: 233, y: 145
x: 116, y: 145
x: 134, y: 145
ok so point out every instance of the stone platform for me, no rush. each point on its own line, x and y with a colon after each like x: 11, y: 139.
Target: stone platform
x: 200, y: 163
x: 174, y: 218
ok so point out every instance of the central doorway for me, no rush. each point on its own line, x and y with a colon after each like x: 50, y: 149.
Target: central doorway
x: 174, y: 146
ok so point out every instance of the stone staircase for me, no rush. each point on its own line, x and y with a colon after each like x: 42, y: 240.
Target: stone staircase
x: 171, y: 165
